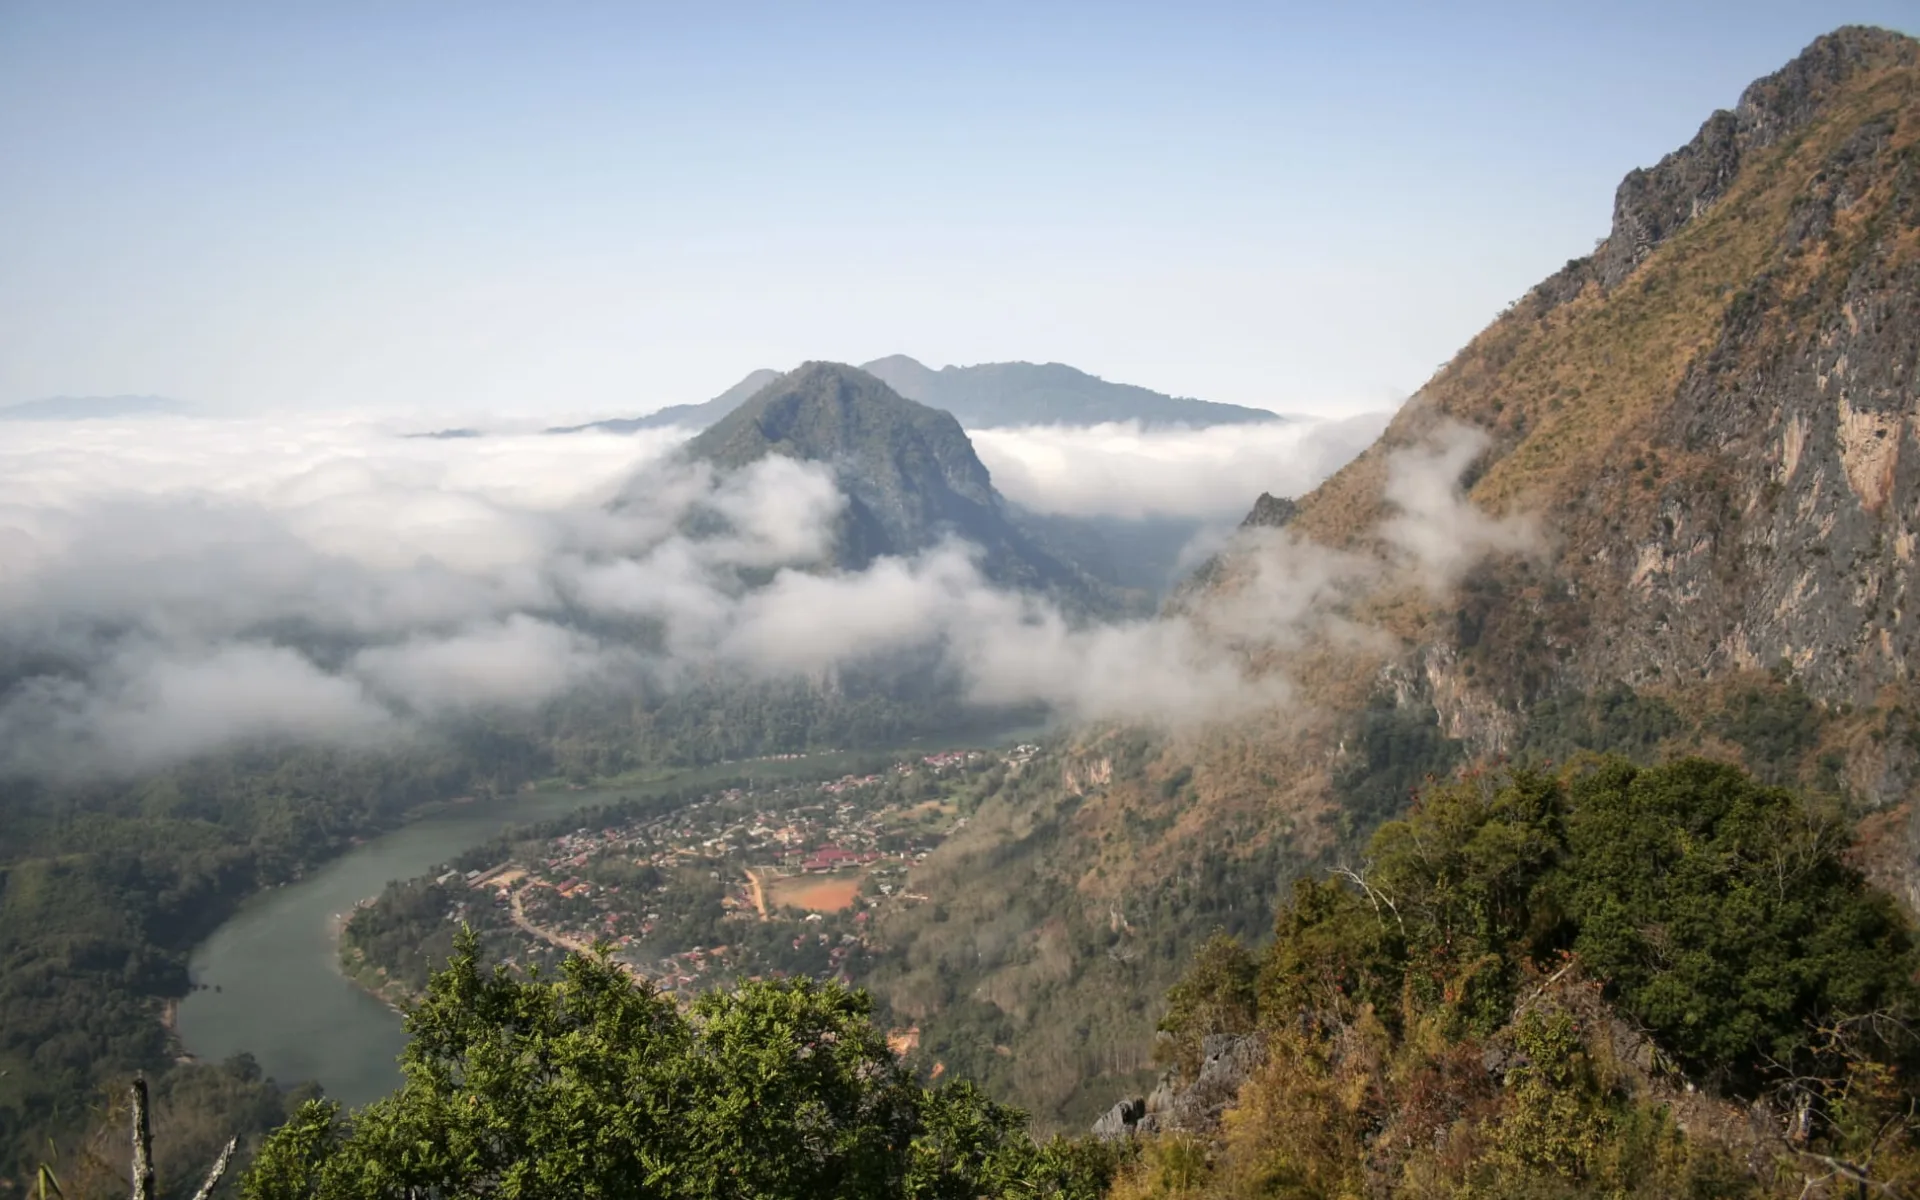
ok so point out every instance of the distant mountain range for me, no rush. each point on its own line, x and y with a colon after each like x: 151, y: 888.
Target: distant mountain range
x: 910, y: 475
x: 687, y: 416
x: 87, y: 408
x: 979, y: 397
x: 1018, y: 393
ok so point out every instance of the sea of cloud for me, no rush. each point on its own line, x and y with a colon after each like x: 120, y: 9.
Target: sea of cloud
x: 170, y: 587
x: 1210, y: 474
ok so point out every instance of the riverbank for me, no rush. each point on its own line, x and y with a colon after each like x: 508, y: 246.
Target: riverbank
x: 374, y: 981
x: 273, y: 981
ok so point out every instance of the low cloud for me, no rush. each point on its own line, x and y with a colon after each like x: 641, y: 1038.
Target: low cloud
x: 171, y: 591
x: 520, y: 660
x: 1204, y: 474
x: 1433, y: 523
x: 146, y: 705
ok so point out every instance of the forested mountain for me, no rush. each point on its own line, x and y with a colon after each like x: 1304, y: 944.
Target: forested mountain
x: 910, y: 476
x: 1702, y: 443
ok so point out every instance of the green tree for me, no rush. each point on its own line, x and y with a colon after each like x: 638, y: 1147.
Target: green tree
x: 1217, y: 995
x: 1725, y: 918
x: 587, y: 1085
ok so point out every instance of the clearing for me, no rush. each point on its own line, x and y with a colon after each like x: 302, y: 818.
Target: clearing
x: 816, y: 893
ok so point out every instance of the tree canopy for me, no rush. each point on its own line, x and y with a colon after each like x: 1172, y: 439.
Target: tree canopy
x: 1526, y: 971
x: 587, y: 1084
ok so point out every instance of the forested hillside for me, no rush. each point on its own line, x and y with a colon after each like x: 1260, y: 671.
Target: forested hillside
x: 1624, y: 981
x: 106, y: 885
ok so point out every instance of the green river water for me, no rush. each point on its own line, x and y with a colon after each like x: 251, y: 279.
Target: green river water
x: 273, y: 986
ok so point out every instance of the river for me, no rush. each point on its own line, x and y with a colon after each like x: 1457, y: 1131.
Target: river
x: 270, y: 976
x: 273, y: 984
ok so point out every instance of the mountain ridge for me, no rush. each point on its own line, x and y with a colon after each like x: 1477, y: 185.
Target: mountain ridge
x: 982, y: 396
x: 696, y: 416
x: 1715, y: 420
x: 987, y: 395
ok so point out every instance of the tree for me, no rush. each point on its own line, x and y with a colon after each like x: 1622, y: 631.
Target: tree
x: 588, y: 1085
x: 1216, y: 996
x: 1726, y: 919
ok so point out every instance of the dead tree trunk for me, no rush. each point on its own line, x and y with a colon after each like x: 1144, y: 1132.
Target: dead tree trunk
x: 142, y: 1143
x: 143, y: 1182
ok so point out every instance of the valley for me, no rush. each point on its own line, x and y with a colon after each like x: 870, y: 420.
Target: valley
x: 760, y: 878
x: 754, y: 798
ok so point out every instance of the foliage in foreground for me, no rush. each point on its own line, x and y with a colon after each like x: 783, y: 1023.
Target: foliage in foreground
x: 1523, y: 991
x: 587, y: 1085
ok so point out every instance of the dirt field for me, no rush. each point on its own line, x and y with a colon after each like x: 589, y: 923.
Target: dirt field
x: 815, y: 893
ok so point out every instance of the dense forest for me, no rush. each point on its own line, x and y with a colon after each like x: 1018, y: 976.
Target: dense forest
x: 1618, y: 980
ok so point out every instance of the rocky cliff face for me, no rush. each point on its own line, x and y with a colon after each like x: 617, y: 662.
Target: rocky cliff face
x: 1651, y: 205
x: 1718, y: 415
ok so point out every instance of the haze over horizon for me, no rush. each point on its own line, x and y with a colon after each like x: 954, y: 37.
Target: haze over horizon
x: 611, y: 211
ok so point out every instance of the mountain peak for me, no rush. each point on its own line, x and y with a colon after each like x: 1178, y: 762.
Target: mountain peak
x: 909, y: 473
x: 835, y: 413
x: 1652, y: 204
x: 1715, y: 411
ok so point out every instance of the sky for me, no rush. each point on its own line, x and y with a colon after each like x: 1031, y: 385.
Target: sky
x: 568, y: 210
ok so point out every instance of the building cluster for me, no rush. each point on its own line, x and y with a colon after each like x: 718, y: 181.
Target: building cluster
x: 662, y: 890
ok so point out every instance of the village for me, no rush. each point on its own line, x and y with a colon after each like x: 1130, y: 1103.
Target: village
x: 770, y: 880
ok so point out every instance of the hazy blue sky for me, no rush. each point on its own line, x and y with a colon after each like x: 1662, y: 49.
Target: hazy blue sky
x: 572, y: 207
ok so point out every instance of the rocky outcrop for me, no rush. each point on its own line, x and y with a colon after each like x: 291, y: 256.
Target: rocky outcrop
x: 1787, y: 525
x: 908, y: 474
x: 1121, y: 1120
x: 1652, y: 205
x: 1190, y: 1106
x: 1270, y: 512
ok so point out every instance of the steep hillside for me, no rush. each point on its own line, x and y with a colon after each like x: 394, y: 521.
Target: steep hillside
x: 1018, y: 393
x: 1713, y: 428
x: 910, y: 475
x: 1716, y: 420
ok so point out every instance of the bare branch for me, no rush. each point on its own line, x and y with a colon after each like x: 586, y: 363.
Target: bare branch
x: 219, y: 1169
x: 1540, y: 991
x: 142, y: 1143
x: 1851, y: 1172
x: 1373, y: 894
